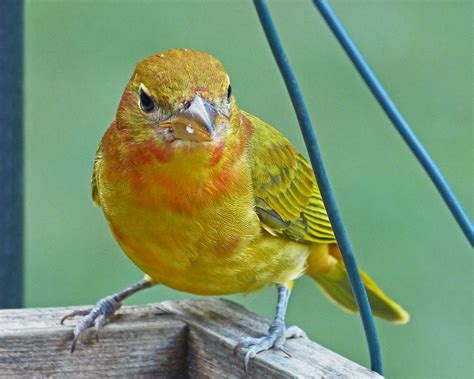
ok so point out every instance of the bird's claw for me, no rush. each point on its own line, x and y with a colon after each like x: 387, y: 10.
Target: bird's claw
x: 273, y: 340
x: 295, y: 332
x: 97, y: 316
x: 77, y: 312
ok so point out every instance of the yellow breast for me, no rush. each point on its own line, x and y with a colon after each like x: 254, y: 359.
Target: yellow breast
x: 193, y: 233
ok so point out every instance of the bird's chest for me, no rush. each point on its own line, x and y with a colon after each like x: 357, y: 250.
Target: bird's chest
x: 190, y: 238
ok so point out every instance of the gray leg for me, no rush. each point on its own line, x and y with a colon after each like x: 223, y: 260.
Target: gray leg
x: 103, y: 310
x: 277, y: 333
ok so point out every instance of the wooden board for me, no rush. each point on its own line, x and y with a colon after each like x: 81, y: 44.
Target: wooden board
x: 186, y: 339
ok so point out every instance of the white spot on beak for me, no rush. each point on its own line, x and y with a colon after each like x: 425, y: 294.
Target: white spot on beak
x: 189, y: 129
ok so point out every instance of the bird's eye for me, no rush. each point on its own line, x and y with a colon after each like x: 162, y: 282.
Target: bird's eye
x: 229, y: 92
x: 146, y: 102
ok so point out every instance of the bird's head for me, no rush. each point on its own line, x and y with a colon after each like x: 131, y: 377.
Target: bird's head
x: 181, y: 97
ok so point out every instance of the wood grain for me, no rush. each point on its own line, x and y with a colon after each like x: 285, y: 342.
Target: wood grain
x: 138, y: 343
x: 186, y: 339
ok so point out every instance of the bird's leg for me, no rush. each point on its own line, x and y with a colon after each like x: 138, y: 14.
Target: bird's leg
x: 277, y: 333
x: 103, y: 310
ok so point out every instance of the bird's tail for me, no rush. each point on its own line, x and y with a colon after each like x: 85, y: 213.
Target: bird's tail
x: 332, y: 278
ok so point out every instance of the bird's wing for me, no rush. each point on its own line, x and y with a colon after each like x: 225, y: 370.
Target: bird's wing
x: 287, y: 198
x: 95, y: 178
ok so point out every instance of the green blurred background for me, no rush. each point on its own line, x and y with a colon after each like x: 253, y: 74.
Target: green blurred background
x: 79, y: 56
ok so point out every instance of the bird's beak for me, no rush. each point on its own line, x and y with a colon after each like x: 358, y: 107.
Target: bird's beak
x: 195, y: 123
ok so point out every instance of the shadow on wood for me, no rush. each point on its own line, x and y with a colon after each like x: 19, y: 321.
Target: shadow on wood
x: 185, y: 339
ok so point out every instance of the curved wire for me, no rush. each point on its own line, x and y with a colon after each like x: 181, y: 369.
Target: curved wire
x: 323, y: 182
x: 397, y: 119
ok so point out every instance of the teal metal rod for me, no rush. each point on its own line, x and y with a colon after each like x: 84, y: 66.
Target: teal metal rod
x: 397, y: 119
x: 323, y: 183
x: 11, y: 153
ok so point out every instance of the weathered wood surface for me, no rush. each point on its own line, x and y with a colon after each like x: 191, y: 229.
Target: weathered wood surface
x: 185, y: 339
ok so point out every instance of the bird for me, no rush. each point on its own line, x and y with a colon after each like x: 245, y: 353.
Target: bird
x: 206, y: 198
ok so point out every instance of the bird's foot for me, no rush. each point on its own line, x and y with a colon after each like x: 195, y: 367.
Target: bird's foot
x: 273, y: 340
x: 97, y: 316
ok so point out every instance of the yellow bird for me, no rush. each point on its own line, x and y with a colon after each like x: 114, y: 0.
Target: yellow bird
x: 206, y: 198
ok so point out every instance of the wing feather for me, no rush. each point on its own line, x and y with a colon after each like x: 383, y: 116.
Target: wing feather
x: 95, y: 177
x: 287, y: 198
